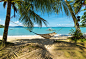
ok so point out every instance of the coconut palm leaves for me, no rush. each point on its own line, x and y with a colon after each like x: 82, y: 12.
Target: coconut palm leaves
x: 42, y: 5
x: 29, y: 17
x: 63, y: 4
x: 4, y: 4
x: 14, y: 7
x: 73, y: 15
x: 12, y: 4
x: 27, y: 10
x: 78, y: 5
x: 83, y: 19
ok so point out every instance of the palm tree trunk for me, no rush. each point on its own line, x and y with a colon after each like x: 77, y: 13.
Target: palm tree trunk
x: 4, y: 40
x: 74, y: 17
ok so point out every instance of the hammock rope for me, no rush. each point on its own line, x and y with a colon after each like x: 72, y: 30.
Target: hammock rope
x: 46, y: 36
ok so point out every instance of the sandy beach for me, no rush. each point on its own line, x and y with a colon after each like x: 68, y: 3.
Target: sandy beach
x: 11, y: 38
x: 48, y: 46
x: 56, y: 37
x: 34, y: 39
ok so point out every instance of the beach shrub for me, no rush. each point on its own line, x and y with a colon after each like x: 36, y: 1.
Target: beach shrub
x: 76, y: 35
x: 82, y: 40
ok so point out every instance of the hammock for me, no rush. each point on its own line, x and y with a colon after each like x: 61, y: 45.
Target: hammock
x: 46, y: 36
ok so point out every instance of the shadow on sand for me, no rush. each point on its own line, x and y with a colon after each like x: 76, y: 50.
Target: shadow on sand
x: 36, y: 40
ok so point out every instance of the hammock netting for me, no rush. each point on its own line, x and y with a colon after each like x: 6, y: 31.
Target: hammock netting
x: 46, y: 36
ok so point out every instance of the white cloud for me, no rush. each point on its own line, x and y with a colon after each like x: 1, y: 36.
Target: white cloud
x: 35, y: 25
x: 3, y: 24
x: 17, y: 22
x: 0, y: 19
x: 10, y: 25
x: 68, y: 24
x: 64, y: 25
x: 58, y: 24
x: 39, y: 26
x: 20, y: 23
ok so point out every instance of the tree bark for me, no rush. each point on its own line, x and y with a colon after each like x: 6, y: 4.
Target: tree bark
x: 4, y: 40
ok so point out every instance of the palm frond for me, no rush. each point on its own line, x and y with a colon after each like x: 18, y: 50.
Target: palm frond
x: 66, y: 9
x: 78, y: 5
x: 4, y: 4
x: 37, y: 18
x: 28, y: 16
x: 78, y: 8
x: 15, y: 9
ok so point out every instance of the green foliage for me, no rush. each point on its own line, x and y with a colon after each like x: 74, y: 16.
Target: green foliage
x: 61, y: 5
x: 27, y: 9
x: 12, y: 4
x: 82, y: 40
x: 83, y: 25
x: 83, y: 21
x: 1, y: 26
x: 78, y: 5
x: 76, y: 35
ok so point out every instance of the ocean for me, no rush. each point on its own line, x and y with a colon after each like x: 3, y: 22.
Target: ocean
x: 15, y: 31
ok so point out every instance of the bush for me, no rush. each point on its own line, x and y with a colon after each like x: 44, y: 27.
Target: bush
x: 76, y: 35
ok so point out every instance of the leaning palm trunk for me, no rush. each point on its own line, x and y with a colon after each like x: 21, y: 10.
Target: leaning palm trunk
x: 74, y: 17
x: 4, y: 40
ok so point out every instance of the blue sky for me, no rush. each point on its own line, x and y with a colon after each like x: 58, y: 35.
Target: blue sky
x: 54, y: 20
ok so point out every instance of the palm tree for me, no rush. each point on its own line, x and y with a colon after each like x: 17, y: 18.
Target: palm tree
x: 73, y: 15
x: 26, y: 9
x: 77, y: 5
x: 77, y: 8
x: 4, y: 40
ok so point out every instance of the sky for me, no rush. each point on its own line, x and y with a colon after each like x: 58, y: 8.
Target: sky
x: 54, y: 20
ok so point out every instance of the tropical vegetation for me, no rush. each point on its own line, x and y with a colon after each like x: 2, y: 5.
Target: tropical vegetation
x: 73, y: 13
x: 27, y: 8
x: 9, y: 4
x: 82, y: 25
x: 83, y: 20
x: 1, y: 26
x: 27, y: 13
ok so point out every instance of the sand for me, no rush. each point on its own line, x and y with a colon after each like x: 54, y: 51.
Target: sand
x: 35, y: 39
x: 45, y: 43
x: 14, y: 38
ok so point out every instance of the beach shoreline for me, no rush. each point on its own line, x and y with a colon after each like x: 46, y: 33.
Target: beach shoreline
x: 12, y: 38
x: 29, y: 37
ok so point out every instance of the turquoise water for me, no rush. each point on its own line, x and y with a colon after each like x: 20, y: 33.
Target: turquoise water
x: 43, y: 30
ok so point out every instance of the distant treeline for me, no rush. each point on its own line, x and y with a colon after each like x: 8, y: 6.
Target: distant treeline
x: 1, y: 26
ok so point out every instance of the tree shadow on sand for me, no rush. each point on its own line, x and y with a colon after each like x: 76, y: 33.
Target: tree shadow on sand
x: 70, y: 49
x: 69, y: 44
x: 36, y: 40
x: 38, y: 53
